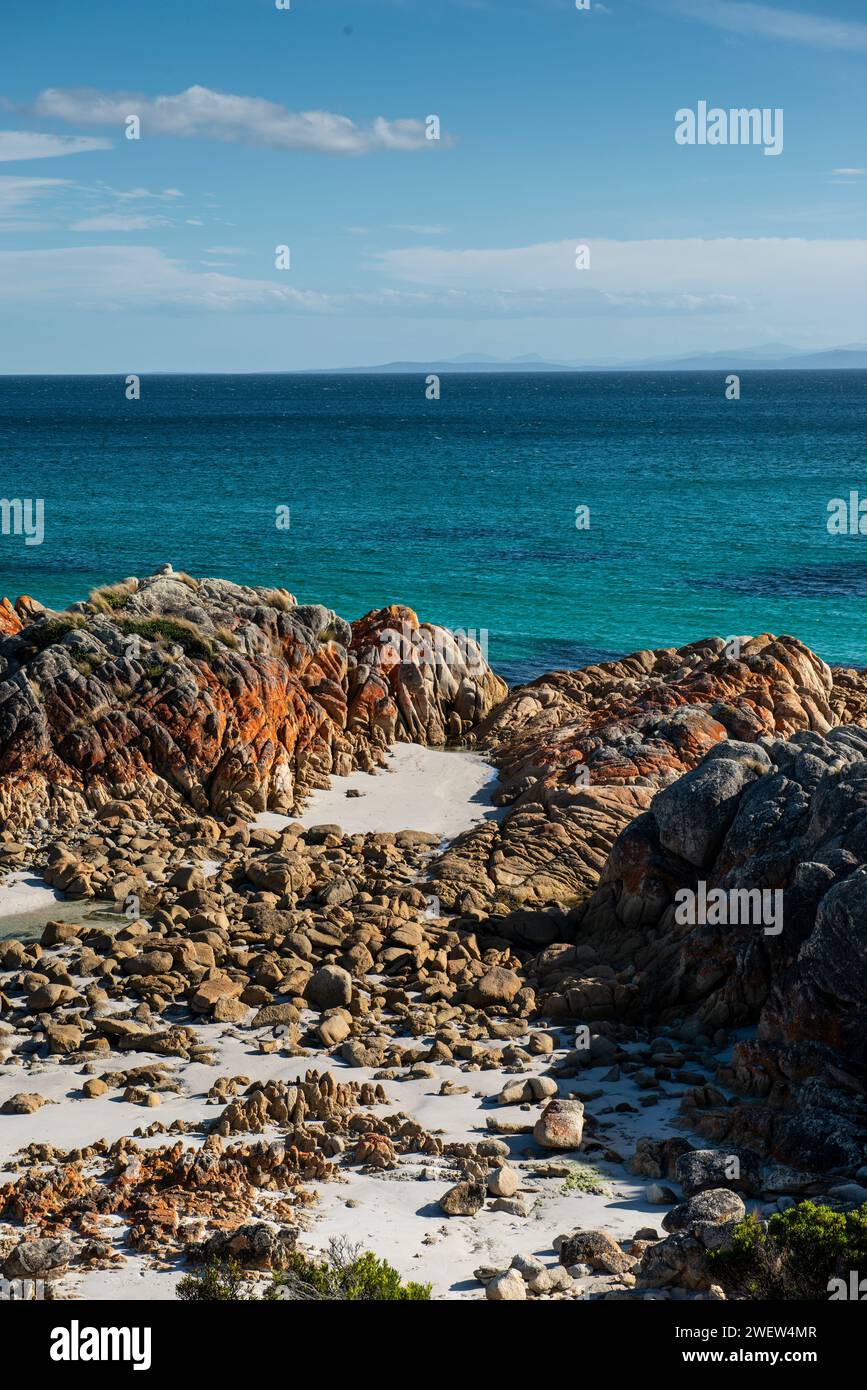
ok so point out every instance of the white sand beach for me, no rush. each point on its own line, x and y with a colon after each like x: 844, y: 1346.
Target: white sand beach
x: 394, y: 1213
x: 420, y: 788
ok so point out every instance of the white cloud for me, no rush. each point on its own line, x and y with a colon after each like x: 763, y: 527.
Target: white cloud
x: 743, y: 17
x: 141, y: 194
x: 419, y: 229
x: 17, y: 196
x: 819, y: 285
x: 132, y: 277
x: 30, y: 144
x: 118, y: 222
x: 806, y: 290
x: 849, y: 173
x: 199, y: 111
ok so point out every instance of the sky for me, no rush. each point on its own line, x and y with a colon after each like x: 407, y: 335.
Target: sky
x: 309, y: 128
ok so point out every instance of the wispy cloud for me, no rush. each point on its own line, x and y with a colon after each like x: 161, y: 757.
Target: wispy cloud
x: 134, y: 195
x: 799, y: 285
x: 419, y: 229
x: 31, y: 144
x: 770, y: 22
x: 199, y: 111
x: 18, y: 195
x: 119, y: 222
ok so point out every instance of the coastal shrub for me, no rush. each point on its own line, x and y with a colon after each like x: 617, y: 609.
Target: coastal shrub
x: 187, y: 579
x: 345, y: 1274
x: 46, y: 632
x: 216, y: 1283
x: 111, y: 597
x: 278, y: 598
x: 795, y: 1255
x: 184, y: 634
x: 227, y: 637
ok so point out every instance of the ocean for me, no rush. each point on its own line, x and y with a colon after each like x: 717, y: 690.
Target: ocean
x: 706, y: 516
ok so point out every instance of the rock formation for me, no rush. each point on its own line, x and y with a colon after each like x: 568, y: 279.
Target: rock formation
x: 582, y: 752
x: 233, y: 699
x: 783, y: 818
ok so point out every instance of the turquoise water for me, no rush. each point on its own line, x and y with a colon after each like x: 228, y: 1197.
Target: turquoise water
x: 706, y: 516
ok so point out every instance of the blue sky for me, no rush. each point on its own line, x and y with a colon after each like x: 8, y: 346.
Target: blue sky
x: 557, y: 128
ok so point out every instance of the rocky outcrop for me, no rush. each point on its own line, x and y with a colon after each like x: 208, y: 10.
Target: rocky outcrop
x: 581, y: 753
x: 434, y: 683
x: 230, y: 698
x: 739, y: 898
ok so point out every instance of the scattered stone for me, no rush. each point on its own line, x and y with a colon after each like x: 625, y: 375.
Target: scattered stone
x: 561, y: 1125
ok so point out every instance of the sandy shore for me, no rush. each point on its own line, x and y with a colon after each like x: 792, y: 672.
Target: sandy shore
x: 420, y: 788
x: 395, y: 1213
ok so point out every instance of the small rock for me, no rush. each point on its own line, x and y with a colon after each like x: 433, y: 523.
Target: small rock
x: 503, y: 1182
x: 508, y: 1287
x: 464, y: 1199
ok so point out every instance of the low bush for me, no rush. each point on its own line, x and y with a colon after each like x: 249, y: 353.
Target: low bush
x: 216, y: 1283
x: 47, y: 632
x: 177, y: 630
x: 795, y: 1255
x: 344, y: 1274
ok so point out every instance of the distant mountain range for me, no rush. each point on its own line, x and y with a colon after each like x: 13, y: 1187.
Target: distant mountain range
x: 769, y: 357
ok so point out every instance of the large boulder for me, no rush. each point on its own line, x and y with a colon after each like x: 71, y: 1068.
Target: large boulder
x: 46, y: 1258
x: 716, y: 1206
x: 329, y: 987
x: 560, y: 1125
x: 597, y: 1249
x: 496, y: 986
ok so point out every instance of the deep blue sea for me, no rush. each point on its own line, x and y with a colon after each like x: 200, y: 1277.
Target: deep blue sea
x: 707, y: 516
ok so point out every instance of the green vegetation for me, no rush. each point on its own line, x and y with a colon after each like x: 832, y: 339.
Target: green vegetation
x: 216, y: 1283
x: 795, y: 1255
x: 344, y: 1274
x: 46, y: 632
x: 177, y: 630
x: 111, y: 597
x: 582, y: 1177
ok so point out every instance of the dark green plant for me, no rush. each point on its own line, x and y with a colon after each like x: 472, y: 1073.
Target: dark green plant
x: 46, y: 632
x: 177, y: 630
x: 216, y: 1283
x: 794, y: 1256
x: 346, y: 1275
